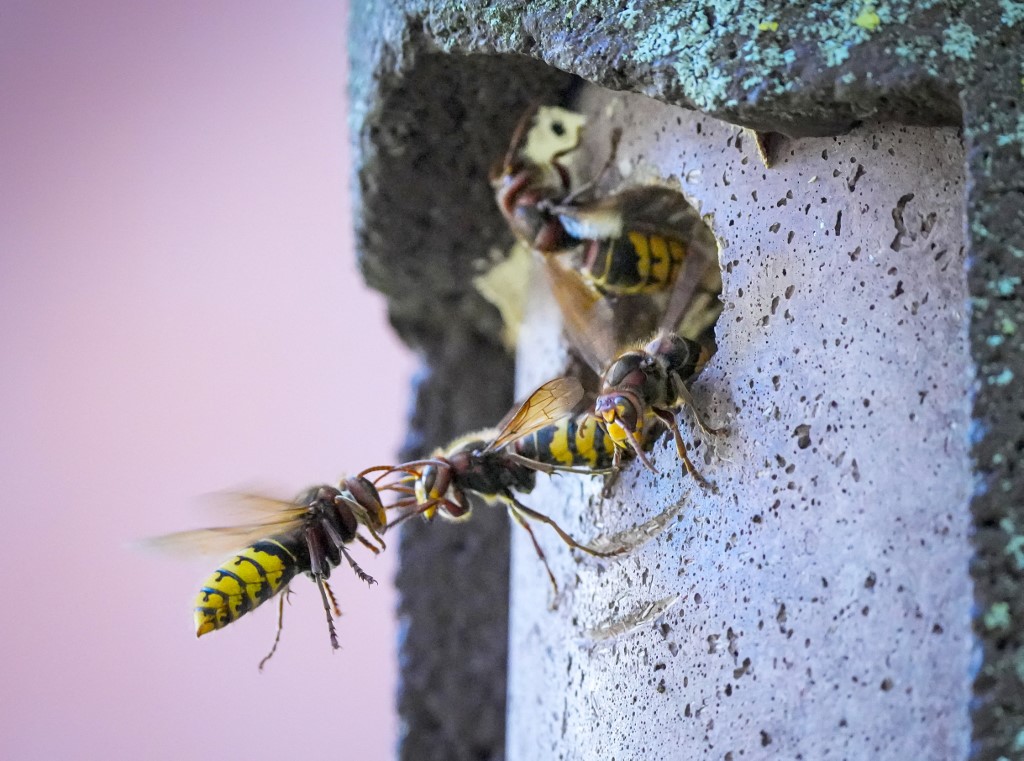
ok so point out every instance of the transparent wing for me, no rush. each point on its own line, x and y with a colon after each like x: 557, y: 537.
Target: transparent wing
x: 694, y: 303
x: 649, y: 209
x: 587, y: 316
x: 254, y: 507
x: 550, y: 402
x: 653, y: 209
x: 266, y: 516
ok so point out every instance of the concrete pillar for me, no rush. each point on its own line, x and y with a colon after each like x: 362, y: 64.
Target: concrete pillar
x: 834, y: 556
x: 818, y: 605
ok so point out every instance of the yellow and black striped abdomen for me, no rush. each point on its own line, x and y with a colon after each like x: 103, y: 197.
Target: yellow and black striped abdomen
x: 636, y: 263
x: 573, y: 442
x: 244, y: 582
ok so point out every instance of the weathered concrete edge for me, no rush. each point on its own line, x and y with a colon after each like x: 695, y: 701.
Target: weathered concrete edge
x: 422, y: 126
x: 797, y: 68
x: 994, y: 137
x: 822, y: 73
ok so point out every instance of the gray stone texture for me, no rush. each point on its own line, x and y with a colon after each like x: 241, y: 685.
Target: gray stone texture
x: 436, y: 88
x: 817, y: 606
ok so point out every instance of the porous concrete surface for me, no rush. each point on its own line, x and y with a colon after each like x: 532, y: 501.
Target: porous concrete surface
x: 819, y: 604
x: 436, y: 87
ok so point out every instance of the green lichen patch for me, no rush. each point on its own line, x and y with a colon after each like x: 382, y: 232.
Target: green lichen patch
x: 959, y: 41
x: 1005, y: 286
x: 868, y: 18
x: 1004, y: 378
x: 1015, y: 549
x: 997, y: 618
x: 1013, y: 12
x: 1017, y: 136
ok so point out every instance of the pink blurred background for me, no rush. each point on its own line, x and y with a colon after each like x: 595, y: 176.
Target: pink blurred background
x: 180, y: 313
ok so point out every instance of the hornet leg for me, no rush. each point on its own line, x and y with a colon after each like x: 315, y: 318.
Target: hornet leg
x: 369, y: 545
x: 612, y: 476
x: 640, y: 453
x: 334, y: 601
x: 317, y: 570
x: 536, y: 546
x: 586, y: 187
x: 669, y: 420
x: 363, y: 575
x: 682, y: 392
x: 280, y: 625
x: 529, y: 512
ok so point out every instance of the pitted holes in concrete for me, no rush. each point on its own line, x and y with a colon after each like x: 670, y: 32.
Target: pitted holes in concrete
x: 778, y: 645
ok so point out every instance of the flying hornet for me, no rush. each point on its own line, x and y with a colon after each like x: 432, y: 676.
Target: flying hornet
x: 310, y: 535
x: 485, y: 464
x: 634, y: 241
